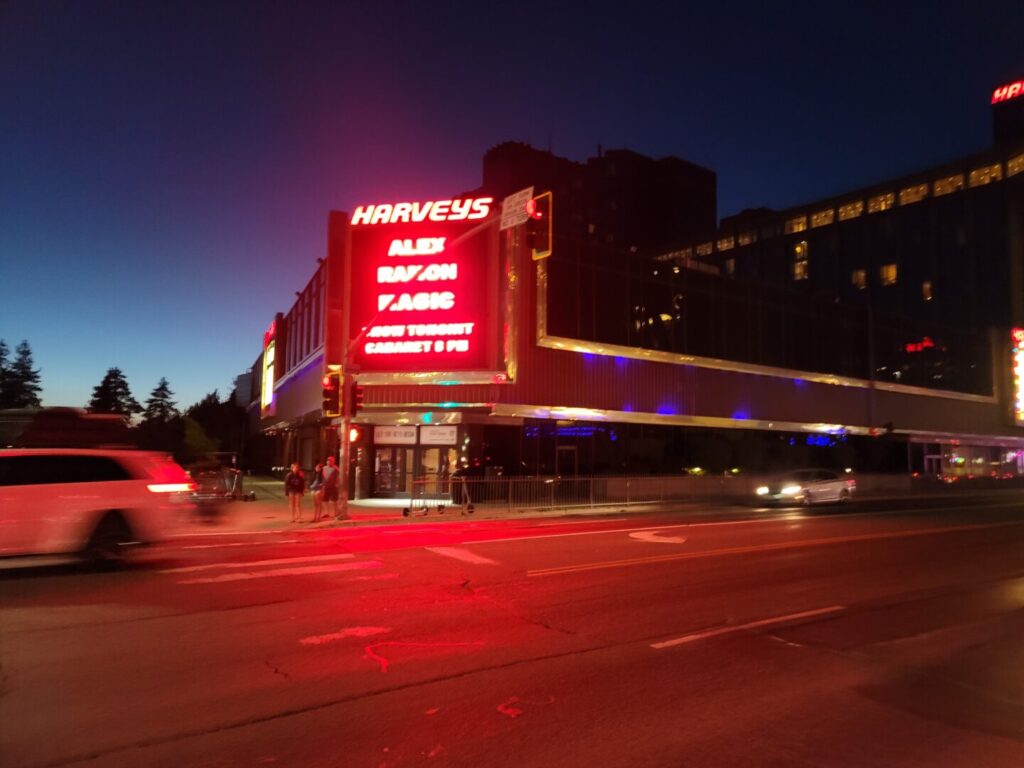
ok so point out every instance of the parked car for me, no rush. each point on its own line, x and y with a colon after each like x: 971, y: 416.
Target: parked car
x: 94, y: 503
x: 808, y: 486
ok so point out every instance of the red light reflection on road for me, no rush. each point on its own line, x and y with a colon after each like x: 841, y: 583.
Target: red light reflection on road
x: 371, y: 650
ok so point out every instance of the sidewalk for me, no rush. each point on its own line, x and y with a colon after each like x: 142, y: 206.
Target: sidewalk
x: 270, y: 511
x: 265, y: 515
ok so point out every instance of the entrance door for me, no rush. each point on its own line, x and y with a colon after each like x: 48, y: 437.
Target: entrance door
x: 933, y: 465
x: 566, y: 463
x: 392, y: 470
x: 436, y: 467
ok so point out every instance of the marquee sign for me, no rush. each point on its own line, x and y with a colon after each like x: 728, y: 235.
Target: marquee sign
x: 267, y: 378
x: 1008, y: 91
x: 1017, y: 334
x: 423, y: 276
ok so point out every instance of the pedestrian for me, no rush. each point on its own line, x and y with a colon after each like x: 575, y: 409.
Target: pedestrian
x: 332, y: 478
x: 295, y: 488
x: 316, y: 488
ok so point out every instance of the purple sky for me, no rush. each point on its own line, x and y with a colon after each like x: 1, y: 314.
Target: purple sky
x: 166, y: 168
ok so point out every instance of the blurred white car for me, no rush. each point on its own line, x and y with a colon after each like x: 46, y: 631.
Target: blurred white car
x: 94, y: 503
x: 808, y: 486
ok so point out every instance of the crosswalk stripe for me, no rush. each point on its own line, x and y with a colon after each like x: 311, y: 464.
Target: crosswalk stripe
x: 462, y: 554
x: 305, y: 571
x: 254, y: 563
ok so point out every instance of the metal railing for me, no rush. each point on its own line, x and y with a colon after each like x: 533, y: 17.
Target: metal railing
x: 522, y: 493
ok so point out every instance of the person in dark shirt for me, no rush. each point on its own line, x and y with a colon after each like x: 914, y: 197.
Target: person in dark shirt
x: 295, y: 489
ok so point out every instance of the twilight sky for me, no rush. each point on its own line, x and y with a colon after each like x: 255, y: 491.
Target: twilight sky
x: 166, y: 168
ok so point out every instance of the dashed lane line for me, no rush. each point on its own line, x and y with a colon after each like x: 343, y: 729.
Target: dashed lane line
x: 694, y: 636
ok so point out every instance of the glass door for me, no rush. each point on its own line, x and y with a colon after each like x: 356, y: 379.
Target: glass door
x: 391, y: 470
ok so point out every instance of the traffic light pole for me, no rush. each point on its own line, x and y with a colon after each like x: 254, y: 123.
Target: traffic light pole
x: 346, y: 443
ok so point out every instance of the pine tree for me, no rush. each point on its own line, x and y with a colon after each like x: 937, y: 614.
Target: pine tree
x: 20, y: 380
x: 4, y: 372
x: 160, y: 408
x: 112, y: 395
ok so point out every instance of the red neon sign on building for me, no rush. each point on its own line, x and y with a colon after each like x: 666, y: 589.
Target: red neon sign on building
x: 424, y: 286
x: 1008, y: 91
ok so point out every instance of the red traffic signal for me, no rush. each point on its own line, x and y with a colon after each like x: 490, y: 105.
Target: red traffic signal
x: 331, y: 406
x: 354, y: 398
x: 540, y: 209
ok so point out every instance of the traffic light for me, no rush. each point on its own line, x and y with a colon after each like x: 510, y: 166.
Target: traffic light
x: 354, y: 398
x: 540, y: 225
x: 332, y: 395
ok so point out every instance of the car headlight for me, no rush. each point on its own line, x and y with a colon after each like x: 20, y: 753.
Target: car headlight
x: 761, y: 490
x: 791, y: 490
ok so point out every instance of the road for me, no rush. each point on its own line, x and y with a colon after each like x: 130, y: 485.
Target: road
x: 881, y: 638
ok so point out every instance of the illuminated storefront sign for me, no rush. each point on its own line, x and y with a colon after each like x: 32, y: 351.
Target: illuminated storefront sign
x: 418, y: 213
x: 424, y: 286
x: 1018, y: 376
x: 267, y: 387
x: 1008, y: 91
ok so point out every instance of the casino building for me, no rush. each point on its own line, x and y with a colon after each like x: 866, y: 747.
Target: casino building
x: 880, y: 329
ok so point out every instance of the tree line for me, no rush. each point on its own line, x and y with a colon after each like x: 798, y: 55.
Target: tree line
x: 208, y: 426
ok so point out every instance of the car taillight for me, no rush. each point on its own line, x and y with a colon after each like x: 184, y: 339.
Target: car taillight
x: 171, y: 487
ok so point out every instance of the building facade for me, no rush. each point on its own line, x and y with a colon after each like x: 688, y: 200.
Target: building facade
x: 872, y: 330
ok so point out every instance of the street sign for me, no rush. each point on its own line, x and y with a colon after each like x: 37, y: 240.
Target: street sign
x: 513, y: 208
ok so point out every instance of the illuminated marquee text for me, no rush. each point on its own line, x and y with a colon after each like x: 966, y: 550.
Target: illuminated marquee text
x: 425, y: 273
x: 1017, y: 335
x: 1008, y: 91
x: 411, y: 213
x: 415, y: 302
x: 421, y: 246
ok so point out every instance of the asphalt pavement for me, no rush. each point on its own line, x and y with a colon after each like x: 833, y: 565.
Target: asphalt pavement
x: 874, y: 636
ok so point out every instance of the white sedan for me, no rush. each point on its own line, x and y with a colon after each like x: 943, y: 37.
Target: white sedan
x: 808, y: 486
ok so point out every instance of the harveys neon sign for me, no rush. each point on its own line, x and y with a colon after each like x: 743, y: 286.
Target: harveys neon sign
x: 1008, y: 91
x: 416, y: 213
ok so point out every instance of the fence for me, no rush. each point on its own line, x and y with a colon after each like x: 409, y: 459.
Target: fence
x: 514, y: 493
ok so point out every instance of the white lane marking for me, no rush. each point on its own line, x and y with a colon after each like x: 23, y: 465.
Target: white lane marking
x: 462, y: 554
x: 276, y: 561
x: 593, y: 533
x: 580, y: 522
x: 342, y: 634
x: 306, y: 571
x: 233, y: 544
x: 750, y: 625
x: 788, y: 520
x: 207, y: 534
x: 772, y: 547
x: 654, y: 536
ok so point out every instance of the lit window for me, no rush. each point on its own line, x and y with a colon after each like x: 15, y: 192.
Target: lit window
x: 798, y: 224
x: 926, y: 290
x: 948, y: 184
x: 730, y: 267
x: 851, y: 210
x: 746, y: 238
x: 913, y: 194
x: 882, y: 202
x: 859, y: 278
x: 1015, y: 165
x: 800, y: 261
x: 686, y: 253
x: 704, y: 249
x: 726, y: 243
x: 981, y: 176
x: 887, y: 273
x: 823, y: 218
